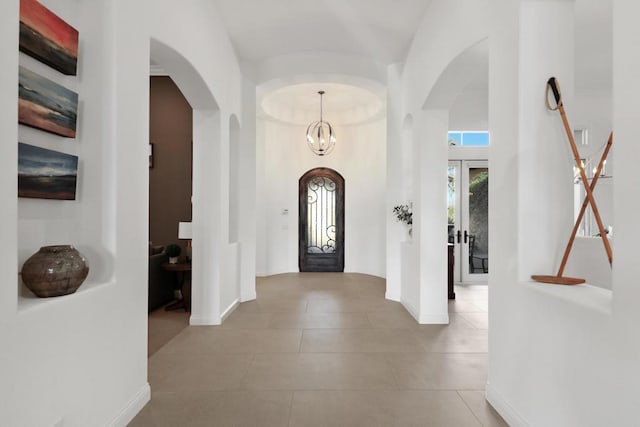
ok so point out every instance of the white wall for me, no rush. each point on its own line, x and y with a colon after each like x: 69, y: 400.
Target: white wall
x: 559, y: 356
x: 208, y: 74
x: 470, y: 111
x: 61, y: 356
x: 432, y: 79
x: 359, y: 156
x: 80, y: 222
x: 81, y: 359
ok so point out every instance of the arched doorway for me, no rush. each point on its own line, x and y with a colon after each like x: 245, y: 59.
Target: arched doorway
x: 321, y: 221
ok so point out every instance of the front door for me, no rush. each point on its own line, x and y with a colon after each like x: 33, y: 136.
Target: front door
x: 468, y: 198
x: 321, y: 221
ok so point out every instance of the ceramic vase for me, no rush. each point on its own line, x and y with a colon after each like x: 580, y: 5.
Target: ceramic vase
x: 54, y: 271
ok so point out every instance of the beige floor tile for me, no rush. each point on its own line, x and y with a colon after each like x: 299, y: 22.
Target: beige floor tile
x: 360, y: 340
x: 192, y: 371
x: 163, y: 326
x: 462, y: 306
x: 220, y: 409
x: 247, y: 320
x: 392, y: 320
x: 472, y: 289
x: 439, y: 371
x: 488, y: 416
x: 211, y: 339
x: 455, y: 321
x: 319, y: 321
x: 478, y: 320
x: 322, y: 349
x: 323, y: 371
x: 443, y: 339
x: 168, y: 409
x: 380, y: 409
x: 352, y: 305
x: 482, y: 304
x: 274, y: 304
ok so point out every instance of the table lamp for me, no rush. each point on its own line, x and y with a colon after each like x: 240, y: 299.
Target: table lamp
x: 185, y: 233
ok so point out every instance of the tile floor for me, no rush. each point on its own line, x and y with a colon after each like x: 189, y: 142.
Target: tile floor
x: 325, y: 349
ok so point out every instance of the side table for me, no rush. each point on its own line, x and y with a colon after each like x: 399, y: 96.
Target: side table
x: 183, y: 276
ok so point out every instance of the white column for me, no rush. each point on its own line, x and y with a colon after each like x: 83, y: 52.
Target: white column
x: 430, y: 222
x: 394, y: 184
x: 626, y: 181
x: 626, y: 110
x: 206, y: 218
x: 247, y: 196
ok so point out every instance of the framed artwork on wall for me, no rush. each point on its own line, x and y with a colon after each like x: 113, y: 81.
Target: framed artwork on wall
x: 46, y: 37
x: 46, y: 105
x: 46, y: 174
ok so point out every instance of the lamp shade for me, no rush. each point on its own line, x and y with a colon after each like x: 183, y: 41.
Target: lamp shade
x: 184, y: 231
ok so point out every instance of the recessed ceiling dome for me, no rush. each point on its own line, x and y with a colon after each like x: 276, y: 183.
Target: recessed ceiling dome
x: 342, y: 104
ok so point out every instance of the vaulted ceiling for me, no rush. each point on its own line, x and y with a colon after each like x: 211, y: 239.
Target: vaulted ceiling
x: 381, y: 30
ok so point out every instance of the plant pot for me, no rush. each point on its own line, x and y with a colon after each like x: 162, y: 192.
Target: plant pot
x: 54, y: 271
x: 173, y: 260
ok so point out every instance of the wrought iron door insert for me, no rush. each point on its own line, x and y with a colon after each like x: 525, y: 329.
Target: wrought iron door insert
x: 321, y: 235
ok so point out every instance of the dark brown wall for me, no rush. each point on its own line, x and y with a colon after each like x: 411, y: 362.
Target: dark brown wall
x: 170, y: 130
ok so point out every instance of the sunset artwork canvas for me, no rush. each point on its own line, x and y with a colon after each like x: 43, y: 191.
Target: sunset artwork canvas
x: 46, y: 105
x: 46, y: 174
x: 48, y: 38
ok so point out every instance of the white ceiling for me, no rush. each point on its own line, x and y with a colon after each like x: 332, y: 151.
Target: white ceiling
x: 342, y: 104
x: 381, y: 30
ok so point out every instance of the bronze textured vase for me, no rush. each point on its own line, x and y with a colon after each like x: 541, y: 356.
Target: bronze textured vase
x: 54, y: 271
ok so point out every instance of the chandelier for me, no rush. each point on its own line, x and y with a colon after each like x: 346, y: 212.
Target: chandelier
x: 320, y: 136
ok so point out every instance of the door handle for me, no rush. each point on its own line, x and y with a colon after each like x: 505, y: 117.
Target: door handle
x: 466, y: 236
x: 458, y: 235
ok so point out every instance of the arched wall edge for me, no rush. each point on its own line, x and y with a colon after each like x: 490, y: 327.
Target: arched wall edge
x: 436, y: 46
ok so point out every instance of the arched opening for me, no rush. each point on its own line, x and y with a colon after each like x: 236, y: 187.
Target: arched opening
x: 202, y: 273
x: 462, y: 93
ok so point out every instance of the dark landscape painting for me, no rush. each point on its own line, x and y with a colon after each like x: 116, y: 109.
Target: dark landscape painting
x: 46, y: 174
x: 48, y: 38
x: 46, y: 105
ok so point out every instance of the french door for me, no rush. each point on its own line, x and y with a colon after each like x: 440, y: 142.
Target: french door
x: 468, y: 222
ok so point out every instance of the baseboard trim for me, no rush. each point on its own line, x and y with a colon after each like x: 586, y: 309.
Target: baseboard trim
x: 204, y: 321
x: 411, y: 309
x: 132, y: 408
x: 393, y: 296
x: 229, y: 310
x: 248, y: 297
x: 505, y: 410
x: 434, y: 319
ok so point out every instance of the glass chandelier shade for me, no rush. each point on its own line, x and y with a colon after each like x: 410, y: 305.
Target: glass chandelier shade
x: 320, y: 136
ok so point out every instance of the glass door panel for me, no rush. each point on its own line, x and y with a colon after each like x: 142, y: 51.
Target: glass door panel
x: 478, y: 221
x: 453, y: 214
x: 467, y: 214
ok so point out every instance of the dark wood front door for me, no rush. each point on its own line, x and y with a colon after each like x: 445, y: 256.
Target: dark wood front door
x: 321, y: 219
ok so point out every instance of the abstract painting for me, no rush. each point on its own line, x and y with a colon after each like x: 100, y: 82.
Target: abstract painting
x: 48, y: 38
x: 46, y: 105
x: 46, y: 174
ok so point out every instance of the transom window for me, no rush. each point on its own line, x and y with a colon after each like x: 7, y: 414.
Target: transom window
x: 468, y: 139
